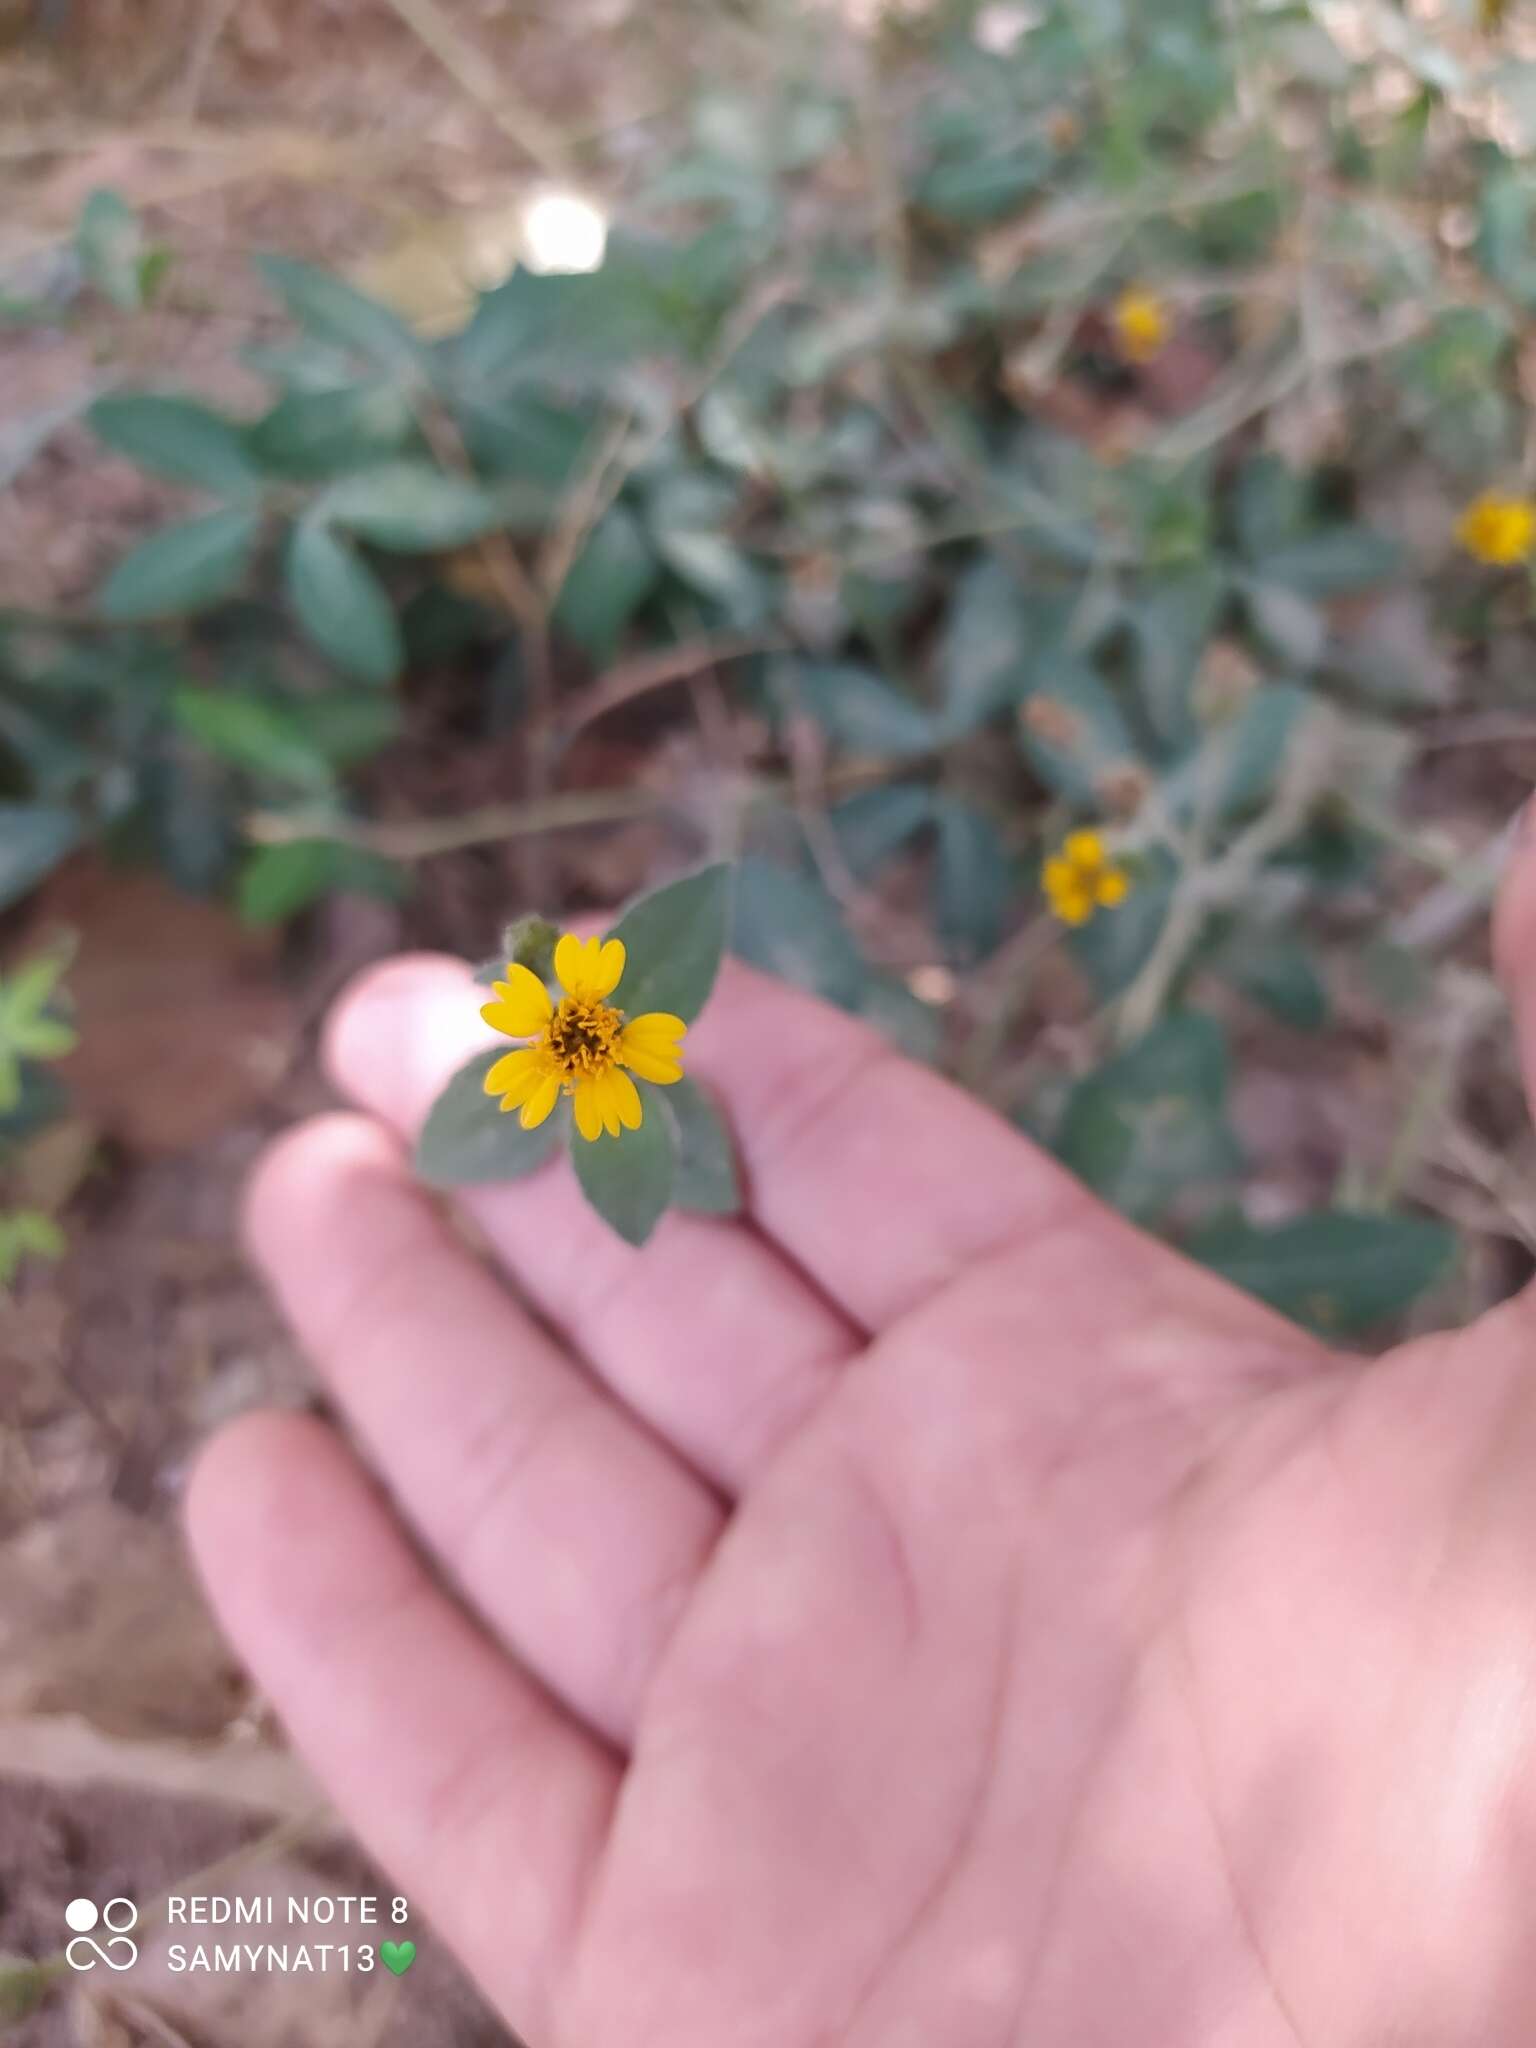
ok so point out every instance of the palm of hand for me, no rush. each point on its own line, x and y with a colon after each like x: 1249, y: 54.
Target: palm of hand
x: 1085, y: 1656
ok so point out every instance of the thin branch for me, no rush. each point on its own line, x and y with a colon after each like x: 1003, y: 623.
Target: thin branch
x: 1202, y: 889
x: 514, y: 117
x: 647, y: 672
x: 217, y: 15
x: 422, y: 838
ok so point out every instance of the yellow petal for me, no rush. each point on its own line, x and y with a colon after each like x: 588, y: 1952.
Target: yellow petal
x: 610, y: 967
x: 589, y: 1104
x: 624, y: 1098
x: 1073, y: 906
x: 570, y: 953
x: 607, y: 1103
x: 522, y: 1007
x: 653, y: 1066
x: 648, y: 1044
x: 1111, y: 887
x: 589, y: 968
x: 510, y: 1069
x: 545, y: 1095
x: 1083, y: 849
x: 1057, y: 874
x: 655, y: 1028
x: 525, y: 1087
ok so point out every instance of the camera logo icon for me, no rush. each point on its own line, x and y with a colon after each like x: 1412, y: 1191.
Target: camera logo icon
x: 83, y: 1917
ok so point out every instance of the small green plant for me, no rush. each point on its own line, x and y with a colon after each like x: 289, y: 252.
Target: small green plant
x: 34, y: 1030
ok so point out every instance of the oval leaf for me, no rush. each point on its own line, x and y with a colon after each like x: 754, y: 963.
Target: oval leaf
x: 1335, y: 561
x: 410, y: 506
x: 875, y: 823
x: 707, y: 1178
x: 673, y: 940
x: 987, y: 646
x: 786, y: 923
x: 33, y: 839
x: 320, y: 433
x: 253, y: 733
x: 973, y: 880
x: 1152, y: 1121
x: 468, y: 1139
x: 608, y: 582
x: 279, y: 881
x: 176, y: 438
x: 857, y: 709
x: 183, y: 569
x: 1335, y: 1272
x: 342, y: 605
x: 335, y: 311
x: 629, y: 1179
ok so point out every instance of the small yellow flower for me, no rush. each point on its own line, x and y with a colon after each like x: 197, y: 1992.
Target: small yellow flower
x: 1141, y: 322
x: 1497, y: 529
x: 1082, y: 878
x: 582, y: 1045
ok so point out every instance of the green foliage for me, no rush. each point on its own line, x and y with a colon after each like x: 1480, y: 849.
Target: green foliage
x: 787, y: 923
x: 334, y: 311
x: 1336, y: 1272
x: 856, y: 447
x: 183, y: 569
x: 707, y: 1179
x: 468, y: 1139
x: 31, y: 1027
x: 35, y: 1028
x: 114, y: 257
x: 178, y: 439
x: 1152, y: 1122
x: 673, y: 940
x: 630, y: 1179
x: 23, y: 1987
x: 342, y: 605
x: 277, y: 882
x: 33, y: 839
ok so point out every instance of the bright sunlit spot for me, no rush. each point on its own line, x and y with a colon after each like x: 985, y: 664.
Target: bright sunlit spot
x: 563, y: 230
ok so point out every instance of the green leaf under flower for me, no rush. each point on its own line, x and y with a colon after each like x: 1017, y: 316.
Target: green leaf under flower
x: 468, y: 1139
x: 630, y: 1179
x: 673, y: 940
x: 708, y: 1180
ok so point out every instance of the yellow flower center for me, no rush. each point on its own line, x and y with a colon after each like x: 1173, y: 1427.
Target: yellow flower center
x: 581, y: 1045
x: 582, y: 1037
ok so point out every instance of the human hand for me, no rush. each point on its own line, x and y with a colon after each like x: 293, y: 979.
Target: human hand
x: 927, y: 1615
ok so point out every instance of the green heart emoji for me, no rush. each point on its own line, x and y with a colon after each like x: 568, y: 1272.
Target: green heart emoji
x: 397, y: 1956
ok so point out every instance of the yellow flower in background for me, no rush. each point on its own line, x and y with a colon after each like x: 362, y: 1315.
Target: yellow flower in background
x: 1498, y: 529
x: 1082, y: 878
x: 1141, y: 322
x: 582, y: 1045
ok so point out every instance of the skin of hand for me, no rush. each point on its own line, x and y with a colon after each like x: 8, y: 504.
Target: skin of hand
x: 927, y: 1614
